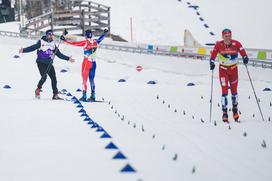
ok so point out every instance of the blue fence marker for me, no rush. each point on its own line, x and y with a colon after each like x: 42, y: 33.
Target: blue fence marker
x: 105, y: 135
x: 128, y: 168
x: 119, y: 155
x: 7, y: 87
x: 190, y: 84
x: 63, y: 70
x: 121, y: 80
x: 111, y: 145
x: 152, y: 82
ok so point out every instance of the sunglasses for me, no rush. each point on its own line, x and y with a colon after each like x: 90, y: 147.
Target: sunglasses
x: 50, y: 34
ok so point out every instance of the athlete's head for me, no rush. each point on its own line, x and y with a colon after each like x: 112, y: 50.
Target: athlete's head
x: 226, y: 35
x: 49, y: 35
x: 88, y: 34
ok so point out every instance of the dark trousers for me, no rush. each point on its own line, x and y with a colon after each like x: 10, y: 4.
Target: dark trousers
x: 49, y: 69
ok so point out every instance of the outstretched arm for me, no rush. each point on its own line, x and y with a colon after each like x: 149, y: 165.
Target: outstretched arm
x: 31, y: 48
x: 76, y: 43
x: 60, y: 55
x: 101, y: 38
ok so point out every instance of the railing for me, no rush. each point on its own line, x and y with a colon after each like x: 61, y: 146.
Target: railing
x: 38, y: 19
x: 253, y: 61
x: 17, y: 35
x: 89, y: 15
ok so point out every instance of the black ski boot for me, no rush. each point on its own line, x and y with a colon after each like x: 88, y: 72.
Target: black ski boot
x: 235, y: 113
x: 225, y: 116
x: 92, y: 98
x: 84, y: 97
x: 56, y: 97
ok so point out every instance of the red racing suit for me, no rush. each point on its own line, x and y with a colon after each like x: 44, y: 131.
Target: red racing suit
x: 228, y: 59
x: 89, y: 47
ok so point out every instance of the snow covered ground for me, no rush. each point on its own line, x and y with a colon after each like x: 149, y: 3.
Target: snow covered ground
x: 10, y: 26
x: 162, y: 129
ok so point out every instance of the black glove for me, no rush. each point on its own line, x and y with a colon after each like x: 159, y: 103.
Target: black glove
x: 245, y: 60
x: 65, y: 32
x: 106, y: 30
x: 62, y: 38
x: 212, y: 65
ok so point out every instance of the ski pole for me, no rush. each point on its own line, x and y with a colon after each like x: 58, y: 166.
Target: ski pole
x: 254, y: 92
x: 211, y: 98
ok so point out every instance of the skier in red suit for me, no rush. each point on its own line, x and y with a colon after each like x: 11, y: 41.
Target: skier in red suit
x: 227, y: 51
x: 88, y: 68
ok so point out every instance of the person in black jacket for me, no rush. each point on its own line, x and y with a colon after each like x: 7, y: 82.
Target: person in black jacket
x: 46, y: 50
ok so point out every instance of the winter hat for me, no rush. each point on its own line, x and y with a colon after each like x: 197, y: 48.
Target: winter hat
x: 88, y: 33
x: 49, y: 32
x: 226, y: 31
